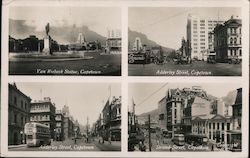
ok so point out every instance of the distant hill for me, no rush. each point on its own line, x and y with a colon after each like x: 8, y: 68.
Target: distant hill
x: 229, y: 99
x: 154, y: 115
x: 65, y: 34
x: 144, y: 39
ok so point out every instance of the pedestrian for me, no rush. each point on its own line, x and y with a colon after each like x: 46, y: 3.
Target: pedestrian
x: 212, y: 147
x: 170, y: 149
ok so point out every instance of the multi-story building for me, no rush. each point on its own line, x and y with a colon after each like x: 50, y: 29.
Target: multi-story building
x: 67, y: 123
x: 44, y: 111
x: 198, y: 29
x: 227, y: 40
x: 113, y: 42
x: 235, y: 133
x: 137, y: 44
x: 112, y: 119
x: 177, y: 108
x: 59, y: 125
x: 213, y: 126
x: 19, y: 108
x: 162, y: 113
x: 115, y: 121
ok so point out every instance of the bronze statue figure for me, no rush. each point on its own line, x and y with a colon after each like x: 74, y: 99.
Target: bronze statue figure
x: 47, y: 29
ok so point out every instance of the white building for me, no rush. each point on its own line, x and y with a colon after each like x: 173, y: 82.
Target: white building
x: 198, y: 29
x: 137, y: 44
x: 113, y: 42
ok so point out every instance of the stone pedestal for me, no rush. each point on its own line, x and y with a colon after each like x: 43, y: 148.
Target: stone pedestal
x: 46, y: 48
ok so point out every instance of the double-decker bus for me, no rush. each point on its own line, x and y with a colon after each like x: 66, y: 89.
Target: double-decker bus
x: 37, y: 134
x: 179, y: 139
x: 196, y: 139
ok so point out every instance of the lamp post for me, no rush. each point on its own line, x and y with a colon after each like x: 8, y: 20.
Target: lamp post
x: 22, y: 142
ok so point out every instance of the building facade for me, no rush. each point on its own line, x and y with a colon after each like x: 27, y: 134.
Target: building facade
x: 44, y: 111
x: 18, y: 110
x: 113, y: 42
x: 178, y: 107
x: 213, y: 126
x: 227, y: 40
x: 59, y: 126
x: 137, y: 46
x: 68, y: 124
x: 198, y: 29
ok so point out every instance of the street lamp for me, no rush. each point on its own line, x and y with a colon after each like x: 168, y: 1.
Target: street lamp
x: 22, y: 140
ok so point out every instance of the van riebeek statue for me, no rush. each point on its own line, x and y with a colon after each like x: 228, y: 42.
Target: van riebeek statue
x: 47, y: 41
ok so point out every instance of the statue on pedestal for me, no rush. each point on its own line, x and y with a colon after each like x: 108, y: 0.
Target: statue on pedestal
x: 47, y: 41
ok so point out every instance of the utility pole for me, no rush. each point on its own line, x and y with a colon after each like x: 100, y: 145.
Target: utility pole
x: 149, y: 133
x: 87, y: 129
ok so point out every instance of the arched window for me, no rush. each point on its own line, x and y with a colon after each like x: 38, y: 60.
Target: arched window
x: 231, y: 40
x: 235, y: 40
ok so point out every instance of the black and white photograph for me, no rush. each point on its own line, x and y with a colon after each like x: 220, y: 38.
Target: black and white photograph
x: 184, y: 41
x: 64, y: 117
x: 65, y: 41
x: 181, y: 117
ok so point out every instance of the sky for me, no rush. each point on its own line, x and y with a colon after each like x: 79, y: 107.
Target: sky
x: 84, y: 99
x: 98, y: 19
x: 167, y: 26
x: 140, y: 91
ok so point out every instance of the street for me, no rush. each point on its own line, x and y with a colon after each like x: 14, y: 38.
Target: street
x: 197, y: 68
x: 69, y: 145
x: 105, y: 64
x: 168, y: 145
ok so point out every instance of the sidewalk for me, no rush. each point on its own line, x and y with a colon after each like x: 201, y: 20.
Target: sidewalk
x: 16, y: 146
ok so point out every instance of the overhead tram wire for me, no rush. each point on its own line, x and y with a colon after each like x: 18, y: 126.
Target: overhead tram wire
x: 164, y: 19
x: 152, y: 94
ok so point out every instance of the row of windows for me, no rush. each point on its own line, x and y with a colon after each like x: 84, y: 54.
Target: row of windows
x: 233, y: 52
x: 18, y: 119
x: 217, y: 125
x: 40, y: 118
x: 23, y: 104
x: 39, y: 107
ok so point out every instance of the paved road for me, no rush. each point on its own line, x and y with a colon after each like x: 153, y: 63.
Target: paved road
x: 105, y: 64
x: 199, y: 68
x: 69, y: 145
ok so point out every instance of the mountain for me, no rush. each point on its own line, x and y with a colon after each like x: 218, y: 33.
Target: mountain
x: 154, y: 115
x: 144, y: 39
x: 229, y: 99
x: 63, y: 34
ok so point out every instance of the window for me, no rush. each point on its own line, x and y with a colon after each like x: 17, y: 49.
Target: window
x: 213, y: 125
x: 231, y: 40
x: 15, y: 100
x: 210, y: 126
x: 22, y: 104
x: 228, y: 126
x: 25, y: 106
x: 240, y: 54
x: 15, y: 118
x: 161, y: 117
x: 235, y: 40
x: 175, y: 113
x: 218, y: 125
x: 222, y: 126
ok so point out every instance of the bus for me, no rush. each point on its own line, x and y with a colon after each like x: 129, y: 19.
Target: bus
x: 196, y: 140
x: 37, y: 134
x: 179, y: 139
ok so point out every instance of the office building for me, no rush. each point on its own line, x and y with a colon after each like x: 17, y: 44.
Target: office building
x: 198, y: 29
x: 18, y: 110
